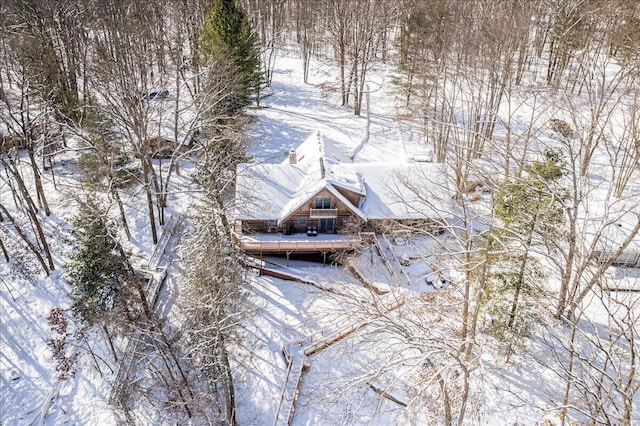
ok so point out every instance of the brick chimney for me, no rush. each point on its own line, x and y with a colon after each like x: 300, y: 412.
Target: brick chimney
x: 293, y: 156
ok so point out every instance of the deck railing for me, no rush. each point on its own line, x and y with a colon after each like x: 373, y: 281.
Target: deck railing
x: 323, y: 213
x: 311, y: 245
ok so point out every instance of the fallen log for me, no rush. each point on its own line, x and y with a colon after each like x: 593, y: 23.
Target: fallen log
x: 387, y: 395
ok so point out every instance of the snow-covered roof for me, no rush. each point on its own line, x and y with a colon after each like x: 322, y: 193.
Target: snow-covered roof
x: 613, y: 230
x: 344, y: 177
x: 404, y: 191
x: 167, y: 131
x: 262, y: 190
x: 167, y: 125
x: 387, y: 190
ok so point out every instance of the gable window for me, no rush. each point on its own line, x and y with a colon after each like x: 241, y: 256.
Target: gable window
x: 323, y: 202
x: 302, y: 221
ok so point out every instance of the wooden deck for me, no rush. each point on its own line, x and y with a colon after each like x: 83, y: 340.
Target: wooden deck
x: 296, y: 243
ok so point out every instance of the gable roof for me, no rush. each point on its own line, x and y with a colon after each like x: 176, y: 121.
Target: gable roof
x: 301, y: 201
x: 263, y: 189
x: 388, y: 190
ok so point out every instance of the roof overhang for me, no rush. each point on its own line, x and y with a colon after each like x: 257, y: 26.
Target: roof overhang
x: 329, y: 187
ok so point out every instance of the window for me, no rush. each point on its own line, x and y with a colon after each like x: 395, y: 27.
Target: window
x: 323, y: 202
x: 325, y: 225
x: 302, y: 221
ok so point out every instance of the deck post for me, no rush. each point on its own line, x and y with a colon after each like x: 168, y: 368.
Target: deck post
x: 288, y: 253
x: 324, y: 258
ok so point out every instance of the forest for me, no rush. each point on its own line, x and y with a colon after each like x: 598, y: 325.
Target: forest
x: 122, y: 126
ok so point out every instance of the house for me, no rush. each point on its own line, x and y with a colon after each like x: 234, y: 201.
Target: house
x: 164, y: 147
x: 611, y: 234
x: 317, y: 200
x: 163, y: 141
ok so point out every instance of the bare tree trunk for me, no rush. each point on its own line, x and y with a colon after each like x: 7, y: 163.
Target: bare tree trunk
x: 227, y: 382
x: 147, y: 189
x: 567, y: 389
x: 31, y: 211
x: 520, y: 276
x: 123, y: 216
x: 4, y: 250
x: 27, y: 241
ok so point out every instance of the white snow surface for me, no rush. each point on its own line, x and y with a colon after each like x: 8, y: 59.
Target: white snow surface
x: 524, y: 391
x: 390, y: 189
x: 283, y: 311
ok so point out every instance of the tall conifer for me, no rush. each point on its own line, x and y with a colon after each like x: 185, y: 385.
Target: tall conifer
x: 227, y: 38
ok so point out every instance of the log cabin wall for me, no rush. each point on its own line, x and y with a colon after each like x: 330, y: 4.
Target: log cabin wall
x: 258, y: 226
x: 343, y: 217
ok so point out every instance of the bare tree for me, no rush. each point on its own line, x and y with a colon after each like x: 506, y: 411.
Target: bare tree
x: 213, y: 308
x: 268, y: 18
x: 624, y: 156
x: 307, y: 30
x: 587, y: 228
x: 103, y: 159
x: 127, y: 73
x: 596, y: 356
x: 213, y: 297
x: 357, y: 31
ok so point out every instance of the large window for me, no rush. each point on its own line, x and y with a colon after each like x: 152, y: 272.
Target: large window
x: 323, y: 202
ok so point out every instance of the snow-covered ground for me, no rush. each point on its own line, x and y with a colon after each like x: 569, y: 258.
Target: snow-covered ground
x: 30, y: 392
x: 333, y: 391
x: 336, y: 388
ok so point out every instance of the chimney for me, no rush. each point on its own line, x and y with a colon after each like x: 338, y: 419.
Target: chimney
x: 293, y: 156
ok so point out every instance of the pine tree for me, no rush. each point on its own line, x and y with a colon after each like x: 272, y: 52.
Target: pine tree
x: 528, y: 208
x: 98, y: 269
x: 227, y: 36
x: 532, y: 205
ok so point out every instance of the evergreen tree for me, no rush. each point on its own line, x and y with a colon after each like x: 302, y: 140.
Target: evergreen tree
x: 227, y: 37
x: 511, y: 297
x: 98, y: 269
x: 533, y: 205
x: 528, y: 208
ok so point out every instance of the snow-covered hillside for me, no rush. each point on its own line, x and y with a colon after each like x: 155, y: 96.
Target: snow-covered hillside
x: 375, y: 374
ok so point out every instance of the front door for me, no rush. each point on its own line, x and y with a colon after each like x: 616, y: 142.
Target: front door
x: 325, y: 225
